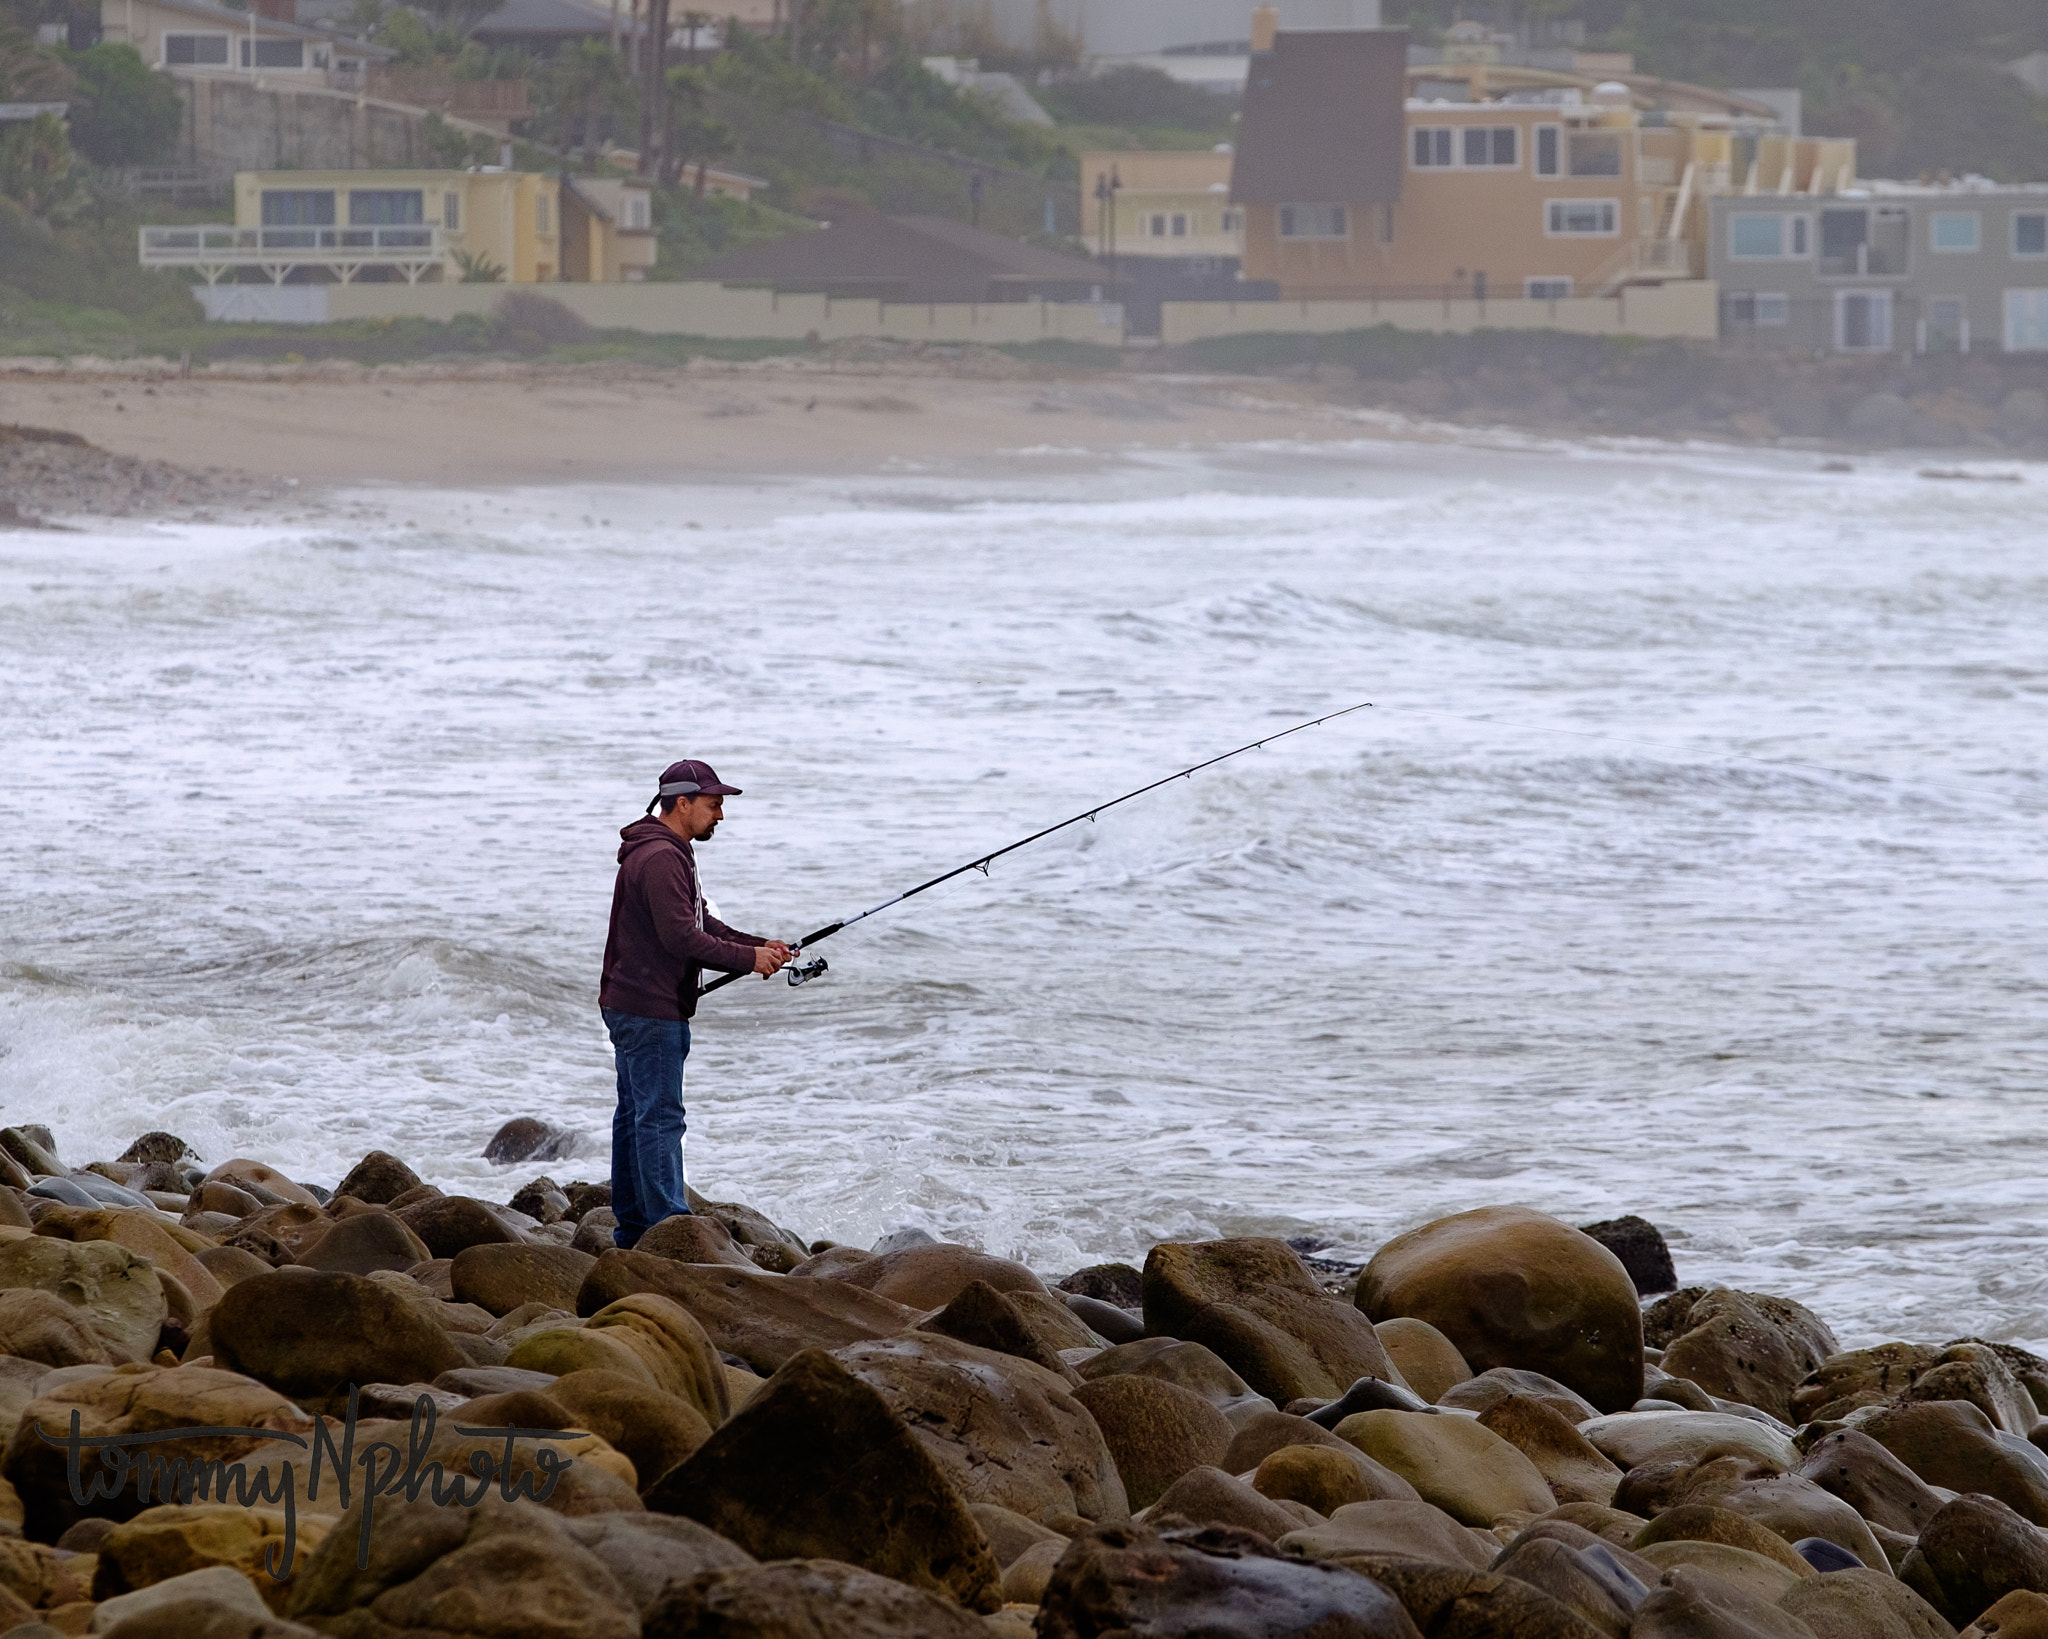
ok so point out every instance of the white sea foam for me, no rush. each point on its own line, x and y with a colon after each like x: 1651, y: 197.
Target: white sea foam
x: 1689, y: 863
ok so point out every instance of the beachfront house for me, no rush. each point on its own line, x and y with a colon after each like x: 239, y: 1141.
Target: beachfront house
x: 1888, y: 267
x: 1164, y: 221
x: 196, y: 40
x: 343, y: 227
x: 1363, y: 177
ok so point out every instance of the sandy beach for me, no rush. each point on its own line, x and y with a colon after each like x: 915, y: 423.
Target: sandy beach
x: 524, y: 425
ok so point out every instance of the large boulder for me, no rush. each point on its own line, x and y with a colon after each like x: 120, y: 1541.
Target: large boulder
x: 262, y: 1178
x: 1218, y: 1583
x: 1324, y: 1479
x: 932, y: 1276
x: 652, y: 1430
x: 41, y: 1327
x: 2020, y: 1615
x: 1864, y: 1604
x: 676, y: 1351
x: 1747, y: 1347
x: 1512, y: 1287
x: 1570, y: 1465
x: 1449, y: 1601
x: 379, y: 1178
x: 131, y: 1401
x: 1974, y: 1372
x: 1413, y: 1530
x: 1003, y: 1430
x: 1850, y: 1465
x: 991, y: 1320
x: 1156, y: 1431
x: 818, y: 1466
x: 1856, y: 1378
x: 814, y: 1598
x: 1173, y: 1360
x: 764, y: 1319
x: 691, y: 1237
x: 1705, y: 1522
x: 1951, y: 1444
x: 363, y: 1243
x: 1491, y: 1387
x: 502, y: 1570
x: 1634, y: 1439
x: 1428, y: 1360
x: 1255, y: 1306
x: 107, y: 1284
x: 311, y: 1336
x: 1789, y: 1505
x: 1466, y: 1469
x: 1972, y: 1554
x: 142, y: 1233
x: 501, y: 1276
x: 1588, y: 1588
x: 647, y: 1553
x: 174, y: 1539
x: 1695, y: 1604
x: 1208, y: 1496
x: 450, y: 1223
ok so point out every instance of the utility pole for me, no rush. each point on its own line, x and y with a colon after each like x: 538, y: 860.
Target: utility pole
x: 1106, y: 189
x: 654, y: 100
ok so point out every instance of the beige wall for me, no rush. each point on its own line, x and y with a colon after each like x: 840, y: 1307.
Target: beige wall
x: 1688, y: 310
x: 702, y: 309
x: 1162, y: 183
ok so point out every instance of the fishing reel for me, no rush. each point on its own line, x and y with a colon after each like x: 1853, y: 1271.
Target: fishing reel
x: 802, y: 973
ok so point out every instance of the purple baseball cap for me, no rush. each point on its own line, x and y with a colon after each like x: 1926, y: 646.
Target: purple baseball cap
x: 691, y: 778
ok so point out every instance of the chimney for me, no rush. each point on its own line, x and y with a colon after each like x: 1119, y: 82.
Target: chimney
x: 1265, y: 24
x: 278, y: 11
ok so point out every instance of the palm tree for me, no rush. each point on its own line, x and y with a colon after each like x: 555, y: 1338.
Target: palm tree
x: 691, y: 132
x: 585, y: 82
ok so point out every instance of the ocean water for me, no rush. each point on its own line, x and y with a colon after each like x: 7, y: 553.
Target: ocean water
x: 1689, y: 862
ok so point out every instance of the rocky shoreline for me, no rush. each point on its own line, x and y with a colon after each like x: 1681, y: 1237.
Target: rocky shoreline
x: 47, y: 473
x: 1502, y: 1428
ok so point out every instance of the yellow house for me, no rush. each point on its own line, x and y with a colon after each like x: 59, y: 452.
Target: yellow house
x: 1353, y: 190
x: 1159, y: 202
x: 195, y: 39
x: 345, y: 227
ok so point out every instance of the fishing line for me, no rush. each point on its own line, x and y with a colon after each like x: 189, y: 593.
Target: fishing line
x: 805, y: 972
x: 811, y: 970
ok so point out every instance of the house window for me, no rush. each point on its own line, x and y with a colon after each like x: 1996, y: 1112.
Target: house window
x: 385, y: 207
x: 273, y: 53
x: 1546, y: 289
x: 1431, y: 146
x: 1233, y: 221
x: 1155, y: 225
x: 2030, y: 233
x: 1955, y: 231
x: 297, y: 208
x: 636, y: 210
x: 1314, y: 222
x: 1574, y: 217
x: 1758, y: 308
x: 1491, y: 146
x: 1863, y: 321
x: 1548, y: 139
x: 195, y: 51
x: 1860, y: 243
x: 1595, y: 153
x: 1945, y: 325
x: 1180, y: 225
x: 2026, y: 320
x: 451, y: 212
x: 1761, y: 235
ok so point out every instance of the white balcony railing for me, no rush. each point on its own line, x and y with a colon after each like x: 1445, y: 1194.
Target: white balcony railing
x: 215, y: 249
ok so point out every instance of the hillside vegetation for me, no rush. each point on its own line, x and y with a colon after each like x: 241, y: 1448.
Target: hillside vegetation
x: 1923, y: 88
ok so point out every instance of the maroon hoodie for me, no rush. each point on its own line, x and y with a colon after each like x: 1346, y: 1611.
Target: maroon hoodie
x: 660, y: 937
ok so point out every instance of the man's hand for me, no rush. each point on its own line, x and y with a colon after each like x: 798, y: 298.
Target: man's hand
x: 771, y: 958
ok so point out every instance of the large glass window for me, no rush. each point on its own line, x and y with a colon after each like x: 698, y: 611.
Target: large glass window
x: 1314, y: 222
x: 1430, y: 145
x: 196, y: 50
x: 1863, y: 321
x: 298, y: 208
x: 1582, y: 216
x: 1756, y: 234
x: 1859, y: 242
x: 273, y: 53
x: 1548, y: 138
x: 1595, y: 153
x: 2030, y: 233
x: 1955, y: 231
x: 385, y: 207
x: 1491, y: 146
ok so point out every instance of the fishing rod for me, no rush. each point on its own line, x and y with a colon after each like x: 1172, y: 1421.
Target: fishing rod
x: 810, y: 970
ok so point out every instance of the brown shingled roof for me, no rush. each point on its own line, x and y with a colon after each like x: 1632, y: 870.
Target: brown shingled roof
x: 1322, y: 121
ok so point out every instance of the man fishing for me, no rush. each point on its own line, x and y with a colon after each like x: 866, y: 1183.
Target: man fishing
x: 661, y: 938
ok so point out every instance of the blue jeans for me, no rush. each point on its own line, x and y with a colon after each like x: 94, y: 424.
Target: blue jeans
x: 648, y: 1126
